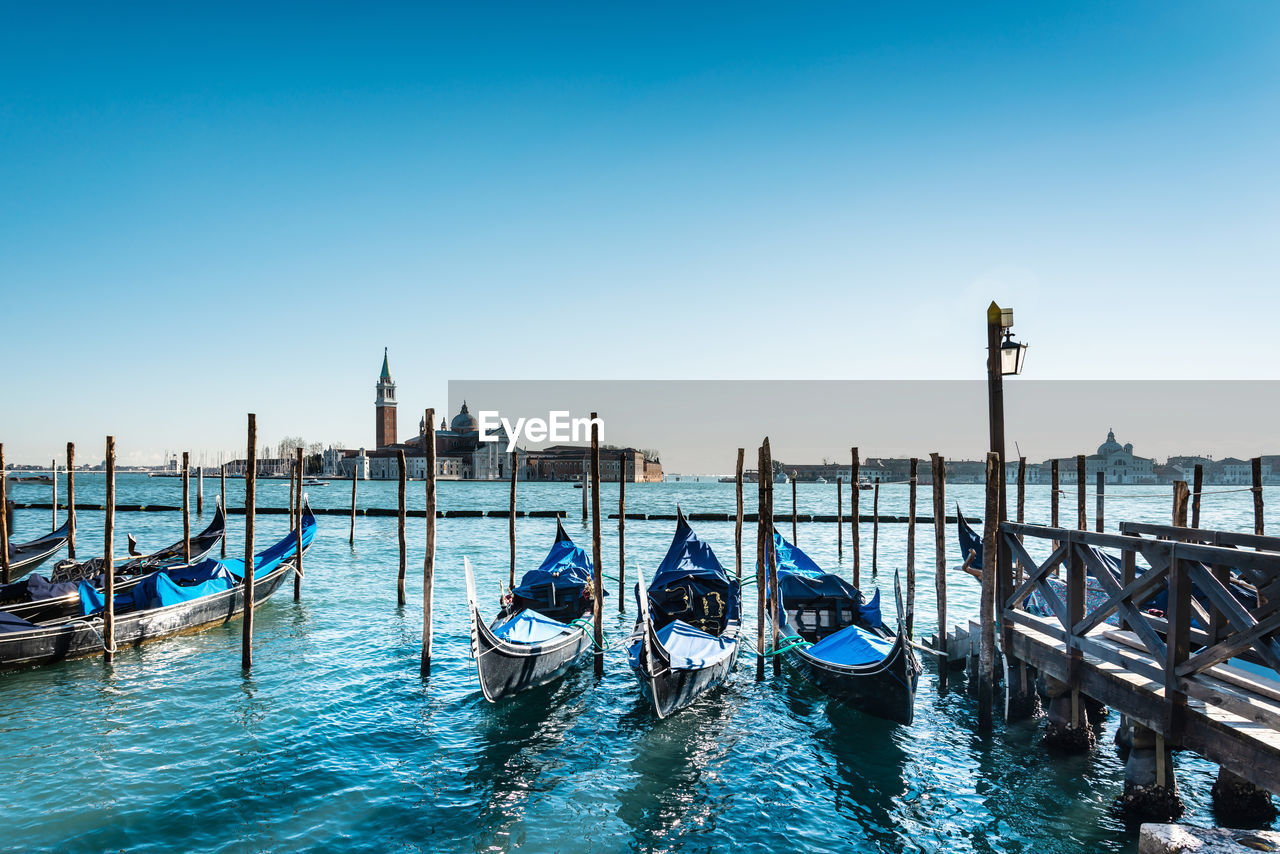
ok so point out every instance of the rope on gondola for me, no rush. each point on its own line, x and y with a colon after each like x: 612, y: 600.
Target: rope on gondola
x: 792, y: 642
x: 585, y: 624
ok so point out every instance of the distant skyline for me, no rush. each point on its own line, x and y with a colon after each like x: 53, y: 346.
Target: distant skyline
x: 214, y: 210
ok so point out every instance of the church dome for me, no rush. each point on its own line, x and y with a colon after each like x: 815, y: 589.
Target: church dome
x: 464, y: 421
x: 1111, y: 446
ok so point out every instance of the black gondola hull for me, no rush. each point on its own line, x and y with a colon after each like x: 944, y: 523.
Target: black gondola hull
x: 672, y: 690
x: 507, y: 668
x: 82, y: 638
x: 886, y: 689
x: 27, y: 557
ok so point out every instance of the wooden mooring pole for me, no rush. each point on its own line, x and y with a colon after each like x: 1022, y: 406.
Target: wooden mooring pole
x: 250, y: 487
x: 585, y: 486
x: 875, y: 528
x: 1055, y: 490
x: 222, y: 493
x: 400, y: 533
x: 297, y: 567
x: 762, y: 527
x: 911, y: 548
x: 737, y: 529
x: 351, y: 538
x: 53, y: 465
x: 511, y: 525
x: 771, y: 557
x: 1099, y: 500
x: 199, y: 490
x: 4, y: 519
x: 597, y: 599
x: 839, y: 519
x: 986, y: 608
x: 1259, y: 527
x: 795, y: 535
x: 71, y: 499
x: 186, y: 507
x: 1196, y: 490
x: 429, y: 562
x: 855, y: 517
x: 1082, y: 521
x: 293, y: 479
x: 108, y: 558
x: 938, y: 473
x: 622, y: 534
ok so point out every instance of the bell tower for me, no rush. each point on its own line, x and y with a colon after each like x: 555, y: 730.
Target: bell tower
x: 385, y: 407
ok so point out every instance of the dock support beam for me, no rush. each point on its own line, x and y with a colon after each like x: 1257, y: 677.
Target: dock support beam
x: 1022, y: 700
x: 1068, y: 730
x: 1236, y: 801
x: 1150, y: 787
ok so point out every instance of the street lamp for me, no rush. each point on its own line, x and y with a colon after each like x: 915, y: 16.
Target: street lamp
x: 1012, y: 355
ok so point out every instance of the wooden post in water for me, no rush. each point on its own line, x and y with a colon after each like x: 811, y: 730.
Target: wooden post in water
x: 1099, y: 500
x: 108, y: 559
x: 597, y: 598
x: 71, y: 499
x: 293, y: 479
x: 795, y: 535
x: 1198, y: 488
x: 186, y: 507
x: 351, y: 538
x: 1081, y: 521
x: 199, y: 490
x: 250, y: 507
x: 1022, y: 493
x: 855, y: 517
x: 53, y: 466
x: 939, y: 478
x: 222, y: 492
x: 911, y: 548
x: 1054, y: 489
x: 585, y: 486
x: 429, y: 562
x: 511, y: 525
x: 761, y: 533
x: 737, y: 531
x: 1259, y: 527
x: 297, y: 567
x: 4, y: 519
x: 875, y: 528
x: 986, y: 608
x: 839, y: 519
x: 771, y: 557
x: 622, y: 534
x: 400, y: 519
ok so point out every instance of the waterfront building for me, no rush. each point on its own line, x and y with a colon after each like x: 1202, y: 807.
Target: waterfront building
x: 1117, y: 462
x: 385, y: 407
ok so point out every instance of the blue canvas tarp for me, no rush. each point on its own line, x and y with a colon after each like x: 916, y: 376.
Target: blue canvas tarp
x: 10, y: 623
x: 801, y: 579
x: 162, y: 589
x: 688, y: 558
x: 530, y: 627
x: 264, y: 562
x: 566, y: 566
x: 687, y: 647
x: 852, y: 646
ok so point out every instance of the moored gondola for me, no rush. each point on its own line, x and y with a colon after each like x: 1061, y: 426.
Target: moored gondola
x: 168, y: 602
x: 544, y: 627
x: 685, y: 640
x: 38, y: 599
x: 25, y: 557
x: 838, y: 641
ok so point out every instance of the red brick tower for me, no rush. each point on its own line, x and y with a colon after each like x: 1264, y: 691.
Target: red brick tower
x: 385, y: 407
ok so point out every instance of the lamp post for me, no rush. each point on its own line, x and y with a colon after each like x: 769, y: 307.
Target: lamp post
x: 1004, y: 358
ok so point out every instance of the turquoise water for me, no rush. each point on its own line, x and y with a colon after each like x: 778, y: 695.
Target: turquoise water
x: 334, y: 740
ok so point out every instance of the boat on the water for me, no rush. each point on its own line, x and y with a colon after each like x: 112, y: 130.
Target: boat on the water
x: 685, y: 640
x: 165, y: 603
x: 38, y: 599
x: 25, y: 557
x: 315, y: 481
x: 837, y: 640
x: 544, y: 627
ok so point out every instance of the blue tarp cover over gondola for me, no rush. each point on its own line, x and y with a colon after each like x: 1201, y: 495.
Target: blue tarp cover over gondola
x: 688, y: 557
x: 969, y: 541
x: 801, y: 579
x: 852, y: 645
x: 530, y: 627
x: 10, y: 623
x: 567, y: 566
x: 689, y: 577
x: 687, y: 647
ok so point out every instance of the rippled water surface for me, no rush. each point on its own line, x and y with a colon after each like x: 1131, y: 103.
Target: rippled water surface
x: 335, y: 740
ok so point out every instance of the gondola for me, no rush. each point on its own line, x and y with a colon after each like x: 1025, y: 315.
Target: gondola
x: 544, y: 627
x: 168, y: 602
x: 38, y: 599
x: 25, y: 557
x: 686, y: 637
x: 838, y: 641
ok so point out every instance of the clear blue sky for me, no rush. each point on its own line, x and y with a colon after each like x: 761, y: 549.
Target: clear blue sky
x: 221, y: 209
